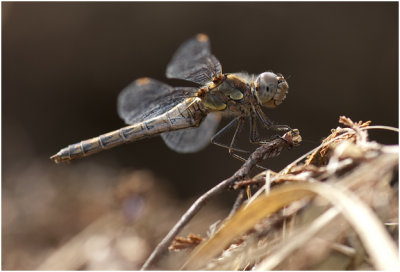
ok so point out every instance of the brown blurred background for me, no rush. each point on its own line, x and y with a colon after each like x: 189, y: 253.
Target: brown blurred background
x: 65, y: 63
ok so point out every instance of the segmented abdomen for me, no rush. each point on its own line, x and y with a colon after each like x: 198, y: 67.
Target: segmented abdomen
x: 184, y: 115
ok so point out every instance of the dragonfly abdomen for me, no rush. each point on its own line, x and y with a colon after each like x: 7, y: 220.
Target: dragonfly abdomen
x: 90, y: 146
x: 184, y: 115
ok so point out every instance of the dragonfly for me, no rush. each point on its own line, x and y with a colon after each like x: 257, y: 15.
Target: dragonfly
x: 188, y: 117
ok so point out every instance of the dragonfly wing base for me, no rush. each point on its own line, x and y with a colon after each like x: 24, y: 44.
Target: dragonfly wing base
x: 192, y: 140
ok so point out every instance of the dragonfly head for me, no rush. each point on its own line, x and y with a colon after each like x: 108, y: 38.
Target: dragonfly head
x: 270, y: 89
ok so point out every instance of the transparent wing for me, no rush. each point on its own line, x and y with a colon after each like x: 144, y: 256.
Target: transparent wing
x: 146, y: 98
x: 193, y: 61
x: 191, y: 140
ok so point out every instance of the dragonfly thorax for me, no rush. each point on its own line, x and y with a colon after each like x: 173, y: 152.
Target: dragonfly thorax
x: 231, y: 94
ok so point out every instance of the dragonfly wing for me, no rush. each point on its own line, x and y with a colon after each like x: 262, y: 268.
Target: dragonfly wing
x: 194, y: 62
x: 146, y: 98
x: 191, y: 140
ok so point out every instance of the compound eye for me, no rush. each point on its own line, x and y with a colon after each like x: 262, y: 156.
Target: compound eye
x: 266, y: 86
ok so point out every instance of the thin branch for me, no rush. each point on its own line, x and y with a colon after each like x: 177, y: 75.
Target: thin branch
x: 192, y: 211
x: 382, y: 127
x: 238, y: 202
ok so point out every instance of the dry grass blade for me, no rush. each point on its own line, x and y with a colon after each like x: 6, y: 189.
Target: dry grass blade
x: 381, y: 248
x: 297, y: 241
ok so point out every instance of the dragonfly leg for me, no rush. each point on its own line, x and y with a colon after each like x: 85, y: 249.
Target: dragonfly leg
x: 240, y: 158
x: 233, y: 141
x: 239, y: 120
x: 239, y: 123
x: 269, y: 125
x: 254, y: 137
x: 231, y: 148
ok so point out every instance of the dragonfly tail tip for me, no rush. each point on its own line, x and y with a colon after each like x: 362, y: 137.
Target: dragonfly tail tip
x: 55, y: 158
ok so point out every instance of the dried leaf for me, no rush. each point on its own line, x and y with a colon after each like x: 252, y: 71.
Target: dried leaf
x: 180, y: 243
